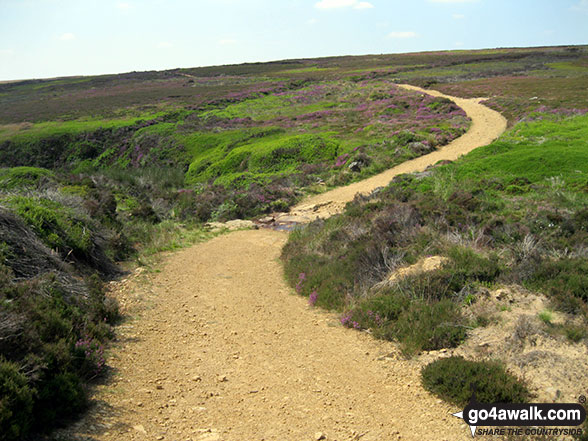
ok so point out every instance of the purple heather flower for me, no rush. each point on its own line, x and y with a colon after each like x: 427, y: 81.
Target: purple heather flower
x: 346, y: 319
x: 301, y: 280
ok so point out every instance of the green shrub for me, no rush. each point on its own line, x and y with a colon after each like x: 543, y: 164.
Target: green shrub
x: 16, y: 402
x: 464, y: 268
x: 331, y: 279
x: 575, y: 333
x: 60, y: 326
x: 387, y: 305
x: 24, y: 177
x: 429, y: 326
x: 227, y: 210
x: 469, y: 266
x: 61, y: 397
x: 566, y: 280
x: 584, y: 435
x: 452, y: 379
x: 546, y: 316
x: 581, y: 219
x: 57, y: 226
x: 418, y: 324
x: 101, y: 309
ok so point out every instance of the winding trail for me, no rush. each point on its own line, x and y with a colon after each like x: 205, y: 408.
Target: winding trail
x: 225, y: 351
x: 487, y: 125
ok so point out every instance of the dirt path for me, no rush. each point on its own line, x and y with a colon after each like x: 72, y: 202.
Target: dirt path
x: 226, y: 351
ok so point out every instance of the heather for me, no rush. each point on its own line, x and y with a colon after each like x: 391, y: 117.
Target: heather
x: 484, y: 72
x: 445, y: 378
x: 512, y: 212
x: 244, y: 135
x: 250, y: 152
x: 106, y: 169
x: 61, y: 238
x: 55, y: 323
x: 82, y: 192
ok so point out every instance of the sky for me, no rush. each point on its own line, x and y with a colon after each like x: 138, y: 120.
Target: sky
x: 49, y: 38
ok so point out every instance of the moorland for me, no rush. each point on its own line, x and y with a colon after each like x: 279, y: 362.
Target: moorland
x: 101, y: 170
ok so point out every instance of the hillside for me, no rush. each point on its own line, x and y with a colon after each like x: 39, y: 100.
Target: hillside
x: 99, y: 170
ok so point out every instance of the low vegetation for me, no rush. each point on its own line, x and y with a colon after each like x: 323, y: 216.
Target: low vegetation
x: 60, y: 239
x: 251, y: 153
x: 80, y: 193
x: 455, y: 380
x: 97, y: 170
x: 500, y: 214
x: 509, y: 213
x: 55, y: 323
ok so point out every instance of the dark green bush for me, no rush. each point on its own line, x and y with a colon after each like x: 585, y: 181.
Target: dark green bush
x: 102, y: 309
x: 387, y: 305
x: 55, y: 224
x: 61, y: 397
x: 566, y: 280
x: 405, y: 137
x: 581, y: 219
x: 575, y: 333
x: 25, y: 177
x: 429, y: 326
x: 452, y: 379
x: 55, y: 328
x: 311, y: 273
x: 468, y: 266
x: 584, y: 436
x: 416, y: 323
x: 16, y: 402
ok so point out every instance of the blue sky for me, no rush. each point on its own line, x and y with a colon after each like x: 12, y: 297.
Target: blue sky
x: 47, y: 38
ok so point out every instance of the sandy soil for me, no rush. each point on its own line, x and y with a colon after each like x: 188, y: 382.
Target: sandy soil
x: 221, y: 349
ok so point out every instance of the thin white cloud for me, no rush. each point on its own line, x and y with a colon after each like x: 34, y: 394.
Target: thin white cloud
x: 458, y: 16
x: 334, y: 4
x: 402, y: 34
x: 581, y: 6
x: 227, y: 41
x: 6, y: 52
x: 453, y: 1
x: 68, y: 36
x: 311, y: 21
x: 363, y: 5
x: 164, y: 45
x: 459, y: 44
x: 340, y: 4
x: 123, y: 6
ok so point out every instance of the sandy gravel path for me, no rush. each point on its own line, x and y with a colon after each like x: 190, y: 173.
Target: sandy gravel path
x: 226, y: 351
